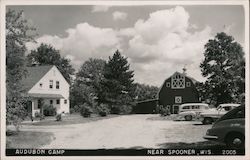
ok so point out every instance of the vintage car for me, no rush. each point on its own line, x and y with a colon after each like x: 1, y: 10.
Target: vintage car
x: 190, y: 111
x: 211, y: 115
x: 229, y: 129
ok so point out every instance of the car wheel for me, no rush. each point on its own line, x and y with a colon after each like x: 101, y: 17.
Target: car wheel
x: 235, y: 140
x: 188, y: 118
x: 207, y: 121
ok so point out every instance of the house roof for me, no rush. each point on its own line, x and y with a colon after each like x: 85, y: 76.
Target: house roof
x: 34, y: 74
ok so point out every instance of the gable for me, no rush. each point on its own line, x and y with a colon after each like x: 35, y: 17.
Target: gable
x: 34, y: 74
x: 179, y: 84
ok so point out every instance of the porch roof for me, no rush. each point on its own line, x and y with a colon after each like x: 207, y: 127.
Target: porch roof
x: 40, y: 95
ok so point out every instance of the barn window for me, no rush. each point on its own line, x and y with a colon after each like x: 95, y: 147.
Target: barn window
x: 168, y: 84
x: 178, y: 81
x: 178, y: 99
x: 188, y: 84
x: 58, y: 101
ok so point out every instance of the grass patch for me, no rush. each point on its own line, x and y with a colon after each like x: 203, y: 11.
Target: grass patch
x: 69, y: 119
x: 28, y: 139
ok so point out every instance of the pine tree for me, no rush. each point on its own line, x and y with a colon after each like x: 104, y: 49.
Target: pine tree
x: 117, y: 85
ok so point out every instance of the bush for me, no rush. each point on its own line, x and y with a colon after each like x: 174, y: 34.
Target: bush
x: 85, y: 110
x: 59, y: 117
x: 49, y: 110
x: 103, y: 110
x: 164, y: 111
x: 121, y: 109
x: 39, y: 115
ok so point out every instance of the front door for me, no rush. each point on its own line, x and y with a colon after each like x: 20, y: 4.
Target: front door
x: 175, y: 109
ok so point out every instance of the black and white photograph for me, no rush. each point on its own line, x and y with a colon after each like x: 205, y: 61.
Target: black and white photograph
x: 109, y: 79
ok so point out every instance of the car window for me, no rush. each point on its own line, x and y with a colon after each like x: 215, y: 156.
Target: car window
x: 185, y: 107
x: 238, y: 112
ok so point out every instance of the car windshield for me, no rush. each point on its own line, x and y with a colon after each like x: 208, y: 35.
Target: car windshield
x: 238, y: 112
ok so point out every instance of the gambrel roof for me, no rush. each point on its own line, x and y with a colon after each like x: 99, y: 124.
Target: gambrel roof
x: 34, y: 74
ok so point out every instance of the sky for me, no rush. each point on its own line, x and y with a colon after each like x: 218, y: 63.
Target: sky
x: 157, y: 40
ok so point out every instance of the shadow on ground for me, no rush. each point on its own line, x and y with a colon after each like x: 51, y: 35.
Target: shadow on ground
x: 196, y: 145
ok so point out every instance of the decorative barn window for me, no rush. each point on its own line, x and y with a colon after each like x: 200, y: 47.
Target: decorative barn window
x: 178, y: 99
x: 188, y: 84
x: 178, y: 81
x: 168, y: 84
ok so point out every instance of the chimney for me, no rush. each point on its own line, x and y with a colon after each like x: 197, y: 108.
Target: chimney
x: 184, y: 70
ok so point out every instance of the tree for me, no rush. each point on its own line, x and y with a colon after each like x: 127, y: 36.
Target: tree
x: 86, y: 87
x: 117, y: 84
x: 224, y: 67
x: 48, y: 55
x: 145, y: 92
x: 18, y: 32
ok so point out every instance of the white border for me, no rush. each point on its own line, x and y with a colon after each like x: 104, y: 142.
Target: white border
x: 245, y: 3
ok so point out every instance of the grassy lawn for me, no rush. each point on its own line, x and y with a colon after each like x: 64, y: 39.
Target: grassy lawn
x: 68, y: 119
x: 28, y: 139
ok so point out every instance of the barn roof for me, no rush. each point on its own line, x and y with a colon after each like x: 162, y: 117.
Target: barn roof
x: 34, y: 74
x: 192, y: 79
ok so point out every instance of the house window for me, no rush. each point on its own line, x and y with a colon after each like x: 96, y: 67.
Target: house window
x: 168, y: 84
x: 58, y: 101
x: 178, y: 99
x: 178, y: 81
x: 65, y: 101
x: 57, y: 85
x: 188, y: 84
x: 41, y: 85
x: 50, y: 83
x: 51, y: 101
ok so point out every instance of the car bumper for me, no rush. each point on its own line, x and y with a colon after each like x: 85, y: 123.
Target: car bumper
x: 208, y: 137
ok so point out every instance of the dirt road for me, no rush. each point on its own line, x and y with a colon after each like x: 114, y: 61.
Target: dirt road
x: 128, y: 131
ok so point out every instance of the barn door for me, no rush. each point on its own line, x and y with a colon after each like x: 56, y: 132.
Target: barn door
x: 175, y: 109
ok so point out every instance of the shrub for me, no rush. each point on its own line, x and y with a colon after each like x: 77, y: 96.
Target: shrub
x: 103, y: 110
x: 164, y: 111
x: 49, y: 110
x: 39, y: 115
x: 85, y: 110
x: 121, y: 109
x: 59, y: 117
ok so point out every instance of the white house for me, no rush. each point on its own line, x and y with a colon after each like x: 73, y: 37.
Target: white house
x: 46, y: 85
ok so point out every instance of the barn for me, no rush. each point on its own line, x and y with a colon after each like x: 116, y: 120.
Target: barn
x: 176, y: 90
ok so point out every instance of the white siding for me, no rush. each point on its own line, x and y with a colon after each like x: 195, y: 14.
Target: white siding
x: 55, y: 75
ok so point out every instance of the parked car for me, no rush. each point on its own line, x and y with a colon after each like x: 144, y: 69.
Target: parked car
x: 190, y: 111
x: 211, y: 115
x: 229, y: 129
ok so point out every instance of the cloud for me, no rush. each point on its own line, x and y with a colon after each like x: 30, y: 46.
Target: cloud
x: 162, y: 45
x: 156, y: 47
x: 100, y: 8
x: 82, y: 42
x: 117, y: 15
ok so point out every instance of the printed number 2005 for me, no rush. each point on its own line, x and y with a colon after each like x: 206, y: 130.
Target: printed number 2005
x: 228, y: 152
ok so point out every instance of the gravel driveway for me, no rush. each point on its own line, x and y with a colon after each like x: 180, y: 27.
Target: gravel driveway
x: 128, y: 131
